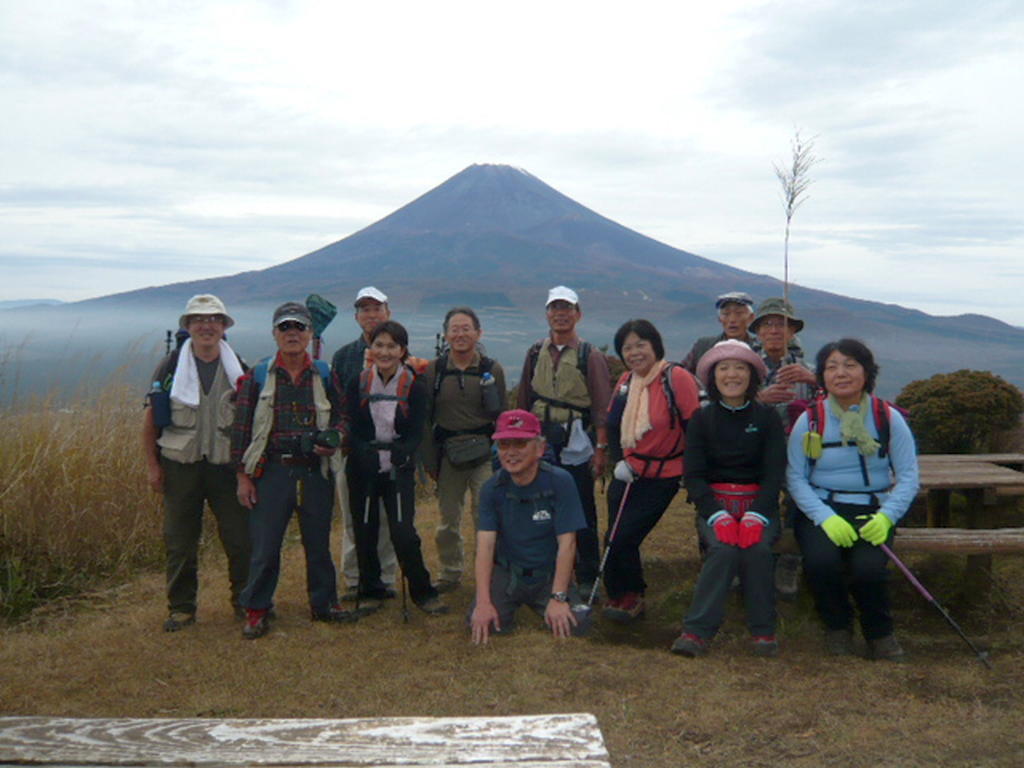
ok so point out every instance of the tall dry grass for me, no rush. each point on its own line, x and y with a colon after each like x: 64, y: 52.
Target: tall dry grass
x: 75, y: 508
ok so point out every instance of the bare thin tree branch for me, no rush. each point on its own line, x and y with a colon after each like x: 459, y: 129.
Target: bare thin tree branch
x: 795, y: 180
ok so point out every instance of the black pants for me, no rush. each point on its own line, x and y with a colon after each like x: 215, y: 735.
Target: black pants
x: 648, y: 499
x: 837, y: 573
x: 398, y: 496
x: 588, y: 553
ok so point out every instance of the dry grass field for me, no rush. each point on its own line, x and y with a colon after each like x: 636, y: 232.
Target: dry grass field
x: 104, y: 655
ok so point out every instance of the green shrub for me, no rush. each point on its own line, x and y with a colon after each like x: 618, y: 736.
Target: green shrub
x: 961, y: 412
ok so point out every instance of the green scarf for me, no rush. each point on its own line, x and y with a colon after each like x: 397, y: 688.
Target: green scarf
x: 853, y: 425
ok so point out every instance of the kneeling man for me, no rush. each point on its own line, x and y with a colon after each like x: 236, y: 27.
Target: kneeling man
x: 526, y: 537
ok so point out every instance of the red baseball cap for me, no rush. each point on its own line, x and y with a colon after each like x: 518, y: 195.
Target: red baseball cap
x: 516, y: 425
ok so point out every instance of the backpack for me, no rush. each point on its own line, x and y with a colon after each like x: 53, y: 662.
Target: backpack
x: 259, y: 372
x: 406, y: 377
x: 441, y: 370
x: 502, y: 479
x: 618, y: 404
x: 880, y: 409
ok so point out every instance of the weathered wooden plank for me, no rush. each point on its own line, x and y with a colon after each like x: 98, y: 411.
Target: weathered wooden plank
x: 1015, y: 460
x: 957, y: 541
x: 551, y: 741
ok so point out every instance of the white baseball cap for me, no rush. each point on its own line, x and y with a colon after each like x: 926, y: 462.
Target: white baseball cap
x: 369, y: 292
x: 561, y: 293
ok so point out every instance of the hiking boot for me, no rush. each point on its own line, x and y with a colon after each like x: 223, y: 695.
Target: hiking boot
x: 688, y: 644
x: 625, y: 609
x: 336, y: 614
x: 886, y: 649
x: 444, y: 586
x: 390, y: 593
x: 350, y: 595
x: 433, y: 606
x: 764, y: 645
x: 787, y: 577
x: 839, y: 642
x: 257, y: 623
x: 178, y: 621
x: 368, y: 605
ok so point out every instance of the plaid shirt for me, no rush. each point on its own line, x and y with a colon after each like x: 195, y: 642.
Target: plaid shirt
x: 348, y: 362
x: 294, y: 411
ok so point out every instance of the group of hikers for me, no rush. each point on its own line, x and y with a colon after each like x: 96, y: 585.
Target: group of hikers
x: 291, y: 432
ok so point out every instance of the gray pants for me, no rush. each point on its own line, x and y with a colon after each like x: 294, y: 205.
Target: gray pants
x: 187, y: 489
x: 509, y: 592
x: 756, y: 568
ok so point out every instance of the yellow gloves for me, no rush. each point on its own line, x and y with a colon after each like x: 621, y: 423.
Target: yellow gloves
x: 839, y: 531
x: 876, y: 529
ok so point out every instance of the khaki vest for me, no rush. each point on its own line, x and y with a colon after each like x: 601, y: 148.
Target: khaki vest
x: 204, y: 431
x: 565, y: 383
x: 263, y: 420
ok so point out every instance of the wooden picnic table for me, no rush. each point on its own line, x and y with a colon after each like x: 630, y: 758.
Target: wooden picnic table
x: 990, y: 487
x: 535, y: 741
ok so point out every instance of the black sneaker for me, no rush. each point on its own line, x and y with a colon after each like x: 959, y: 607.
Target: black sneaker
x: 787, y: 576
x: 177, y: 621
x: 433, y: 606
x: 336, y: 614
x: 257, y: 623
x: 886, y: 649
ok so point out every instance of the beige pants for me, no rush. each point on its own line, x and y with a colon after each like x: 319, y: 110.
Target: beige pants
x: 452, y: 484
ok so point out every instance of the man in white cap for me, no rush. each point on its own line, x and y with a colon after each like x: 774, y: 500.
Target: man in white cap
x: 567, y: 385
x: 371, y: 310
x: 735, y: 313
x: 188, y: 455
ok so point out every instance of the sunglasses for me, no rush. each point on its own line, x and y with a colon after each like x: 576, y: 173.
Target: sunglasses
x: 292, y: 325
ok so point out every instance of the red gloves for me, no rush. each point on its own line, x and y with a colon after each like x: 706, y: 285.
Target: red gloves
x: 751, y: 529
x: 725, y: 527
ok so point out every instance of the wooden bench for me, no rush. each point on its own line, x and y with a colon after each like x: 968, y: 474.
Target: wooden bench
x: 950, y: 541
x: 541, y: 741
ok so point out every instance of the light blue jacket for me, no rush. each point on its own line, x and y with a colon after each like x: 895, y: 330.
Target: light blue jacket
x: 893, y: 480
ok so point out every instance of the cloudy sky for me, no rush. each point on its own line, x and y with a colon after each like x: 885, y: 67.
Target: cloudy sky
x: 150, y: 142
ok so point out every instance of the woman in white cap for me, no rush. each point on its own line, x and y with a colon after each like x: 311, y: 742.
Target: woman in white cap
x: 735, y: 463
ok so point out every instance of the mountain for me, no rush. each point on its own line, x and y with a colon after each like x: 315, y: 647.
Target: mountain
x: 496, y: 238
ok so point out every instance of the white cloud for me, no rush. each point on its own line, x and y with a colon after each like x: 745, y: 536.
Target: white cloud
x: 201, y: 138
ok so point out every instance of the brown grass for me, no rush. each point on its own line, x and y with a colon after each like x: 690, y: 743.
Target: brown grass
x: 105, y: 656
x: 74, y: 503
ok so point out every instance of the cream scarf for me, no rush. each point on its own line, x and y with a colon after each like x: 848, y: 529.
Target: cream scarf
x: 636, y: 417
x: 853, y: 425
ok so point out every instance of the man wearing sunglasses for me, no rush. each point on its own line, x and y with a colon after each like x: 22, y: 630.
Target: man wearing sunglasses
x: 185, y: 434
x: 288, y: 423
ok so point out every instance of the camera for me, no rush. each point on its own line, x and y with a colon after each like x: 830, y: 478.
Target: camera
x: 325, y: 438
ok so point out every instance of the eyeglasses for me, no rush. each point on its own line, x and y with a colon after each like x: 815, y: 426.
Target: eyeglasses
x: 774, y: 322
x: 292, y: 325
x: 517, y: 443
x: 217, y: 319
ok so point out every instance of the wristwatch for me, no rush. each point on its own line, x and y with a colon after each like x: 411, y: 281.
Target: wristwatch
x: 560, y: 597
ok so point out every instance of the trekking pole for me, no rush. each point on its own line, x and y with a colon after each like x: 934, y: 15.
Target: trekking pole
x: 608, y: 546
x: 405, y: 595
x: 982, y: 656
